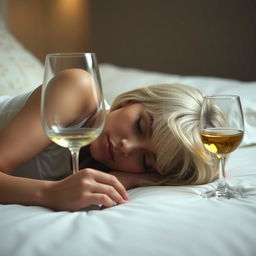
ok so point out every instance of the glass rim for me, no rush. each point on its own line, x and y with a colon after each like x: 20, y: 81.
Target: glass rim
x: 221, y: 96
x: 69, y: 54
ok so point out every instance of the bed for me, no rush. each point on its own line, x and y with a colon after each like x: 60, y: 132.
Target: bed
x: 167, y: 220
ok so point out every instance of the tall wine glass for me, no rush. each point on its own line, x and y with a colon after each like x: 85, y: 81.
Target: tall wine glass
x: 57, y: 124
x: 222, y: 130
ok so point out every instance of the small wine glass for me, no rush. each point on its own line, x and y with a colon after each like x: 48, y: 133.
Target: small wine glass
x: 54, y: 113
x: 222, y: 130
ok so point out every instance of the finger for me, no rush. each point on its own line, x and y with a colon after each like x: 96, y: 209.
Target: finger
x: 103, y: 199
x: 108, y: 190
x: 109, y: 179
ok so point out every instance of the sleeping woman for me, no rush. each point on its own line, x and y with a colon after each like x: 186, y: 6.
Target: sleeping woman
x: 150, y: 137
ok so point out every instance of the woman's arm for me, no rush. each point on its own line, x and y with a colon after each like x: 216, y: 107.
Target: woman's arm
x: 23, y: 138
x: 70, y: 194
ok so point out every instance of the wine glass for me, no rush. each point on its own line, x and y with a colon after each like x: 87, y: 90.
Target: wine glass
x: 62, y: 128
x: 222, y: 130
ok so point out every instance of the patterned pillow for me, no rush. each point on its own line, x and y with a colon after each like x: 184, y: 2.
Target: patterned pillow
x: 20, y: 71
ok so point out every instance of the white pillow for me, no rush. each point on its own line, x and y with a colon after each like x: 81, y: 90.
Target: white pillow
x: 20, y: 71
x: 116, y: 80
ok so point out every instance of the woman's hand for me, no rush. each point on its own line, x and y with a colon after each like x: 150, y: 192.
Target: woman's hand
x: 82, y: 189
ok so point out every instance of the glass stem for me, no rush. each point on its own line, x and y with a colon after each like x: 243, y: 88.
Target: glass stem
x: 221, y: 182
x: 75, y: 159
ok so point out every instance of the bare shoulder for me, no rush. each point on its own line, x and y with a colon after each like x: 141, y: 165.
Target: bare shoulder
x: 75, y: 88
x: 75, y: 81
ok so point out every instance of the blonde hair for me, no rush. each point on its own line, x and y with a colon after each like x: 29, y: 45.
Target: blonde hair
x: 181, y: 156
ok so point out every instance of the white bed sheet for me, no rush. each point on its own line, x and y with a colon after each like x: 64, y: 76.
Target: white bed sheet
x: 155, y: 221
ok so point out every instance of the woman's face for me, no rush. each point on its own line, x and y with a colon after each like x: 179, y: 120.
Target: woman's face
x: 125, y: 143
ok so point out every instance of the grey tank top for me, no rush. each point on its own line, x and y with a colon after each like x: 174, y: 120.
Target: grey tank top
x: 52, y: 163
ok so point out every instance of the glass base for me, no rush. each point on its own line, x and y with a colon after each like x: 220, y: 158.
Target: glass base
x: 222, y: 192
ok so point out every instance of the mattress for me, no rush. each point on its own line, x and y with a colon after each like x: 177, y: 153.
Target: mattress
x: 155, y: 221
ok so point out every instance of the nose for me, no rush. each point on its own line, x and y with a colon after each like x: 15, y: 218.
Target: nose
x: 127, y: 147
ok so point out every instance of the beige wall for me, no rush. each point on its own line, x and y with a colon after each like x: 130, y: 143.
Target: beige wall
x: 187, y: 37
x: 50, y: 25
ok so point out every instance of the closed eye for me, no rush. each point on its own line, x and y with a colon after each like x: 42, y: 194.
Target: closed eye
x: 138, y: 126
x: 144, y: 162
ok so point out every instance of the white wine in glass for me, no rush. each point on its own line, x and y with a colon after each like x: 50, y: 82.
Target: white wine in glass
x: 221, y: 131
x: 71, y: 85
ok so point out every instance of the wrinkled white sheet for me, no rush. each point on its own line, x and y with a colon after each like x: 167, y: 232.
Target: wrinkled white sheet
x: 156, y: 221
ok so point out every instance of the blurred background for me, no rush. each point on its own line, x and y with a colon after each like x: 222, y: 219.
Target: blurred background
x: 199, y: 37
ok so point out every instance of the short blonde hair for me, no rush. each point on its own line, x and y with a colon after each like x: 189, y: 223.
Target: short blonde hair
x: 181, y: 156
